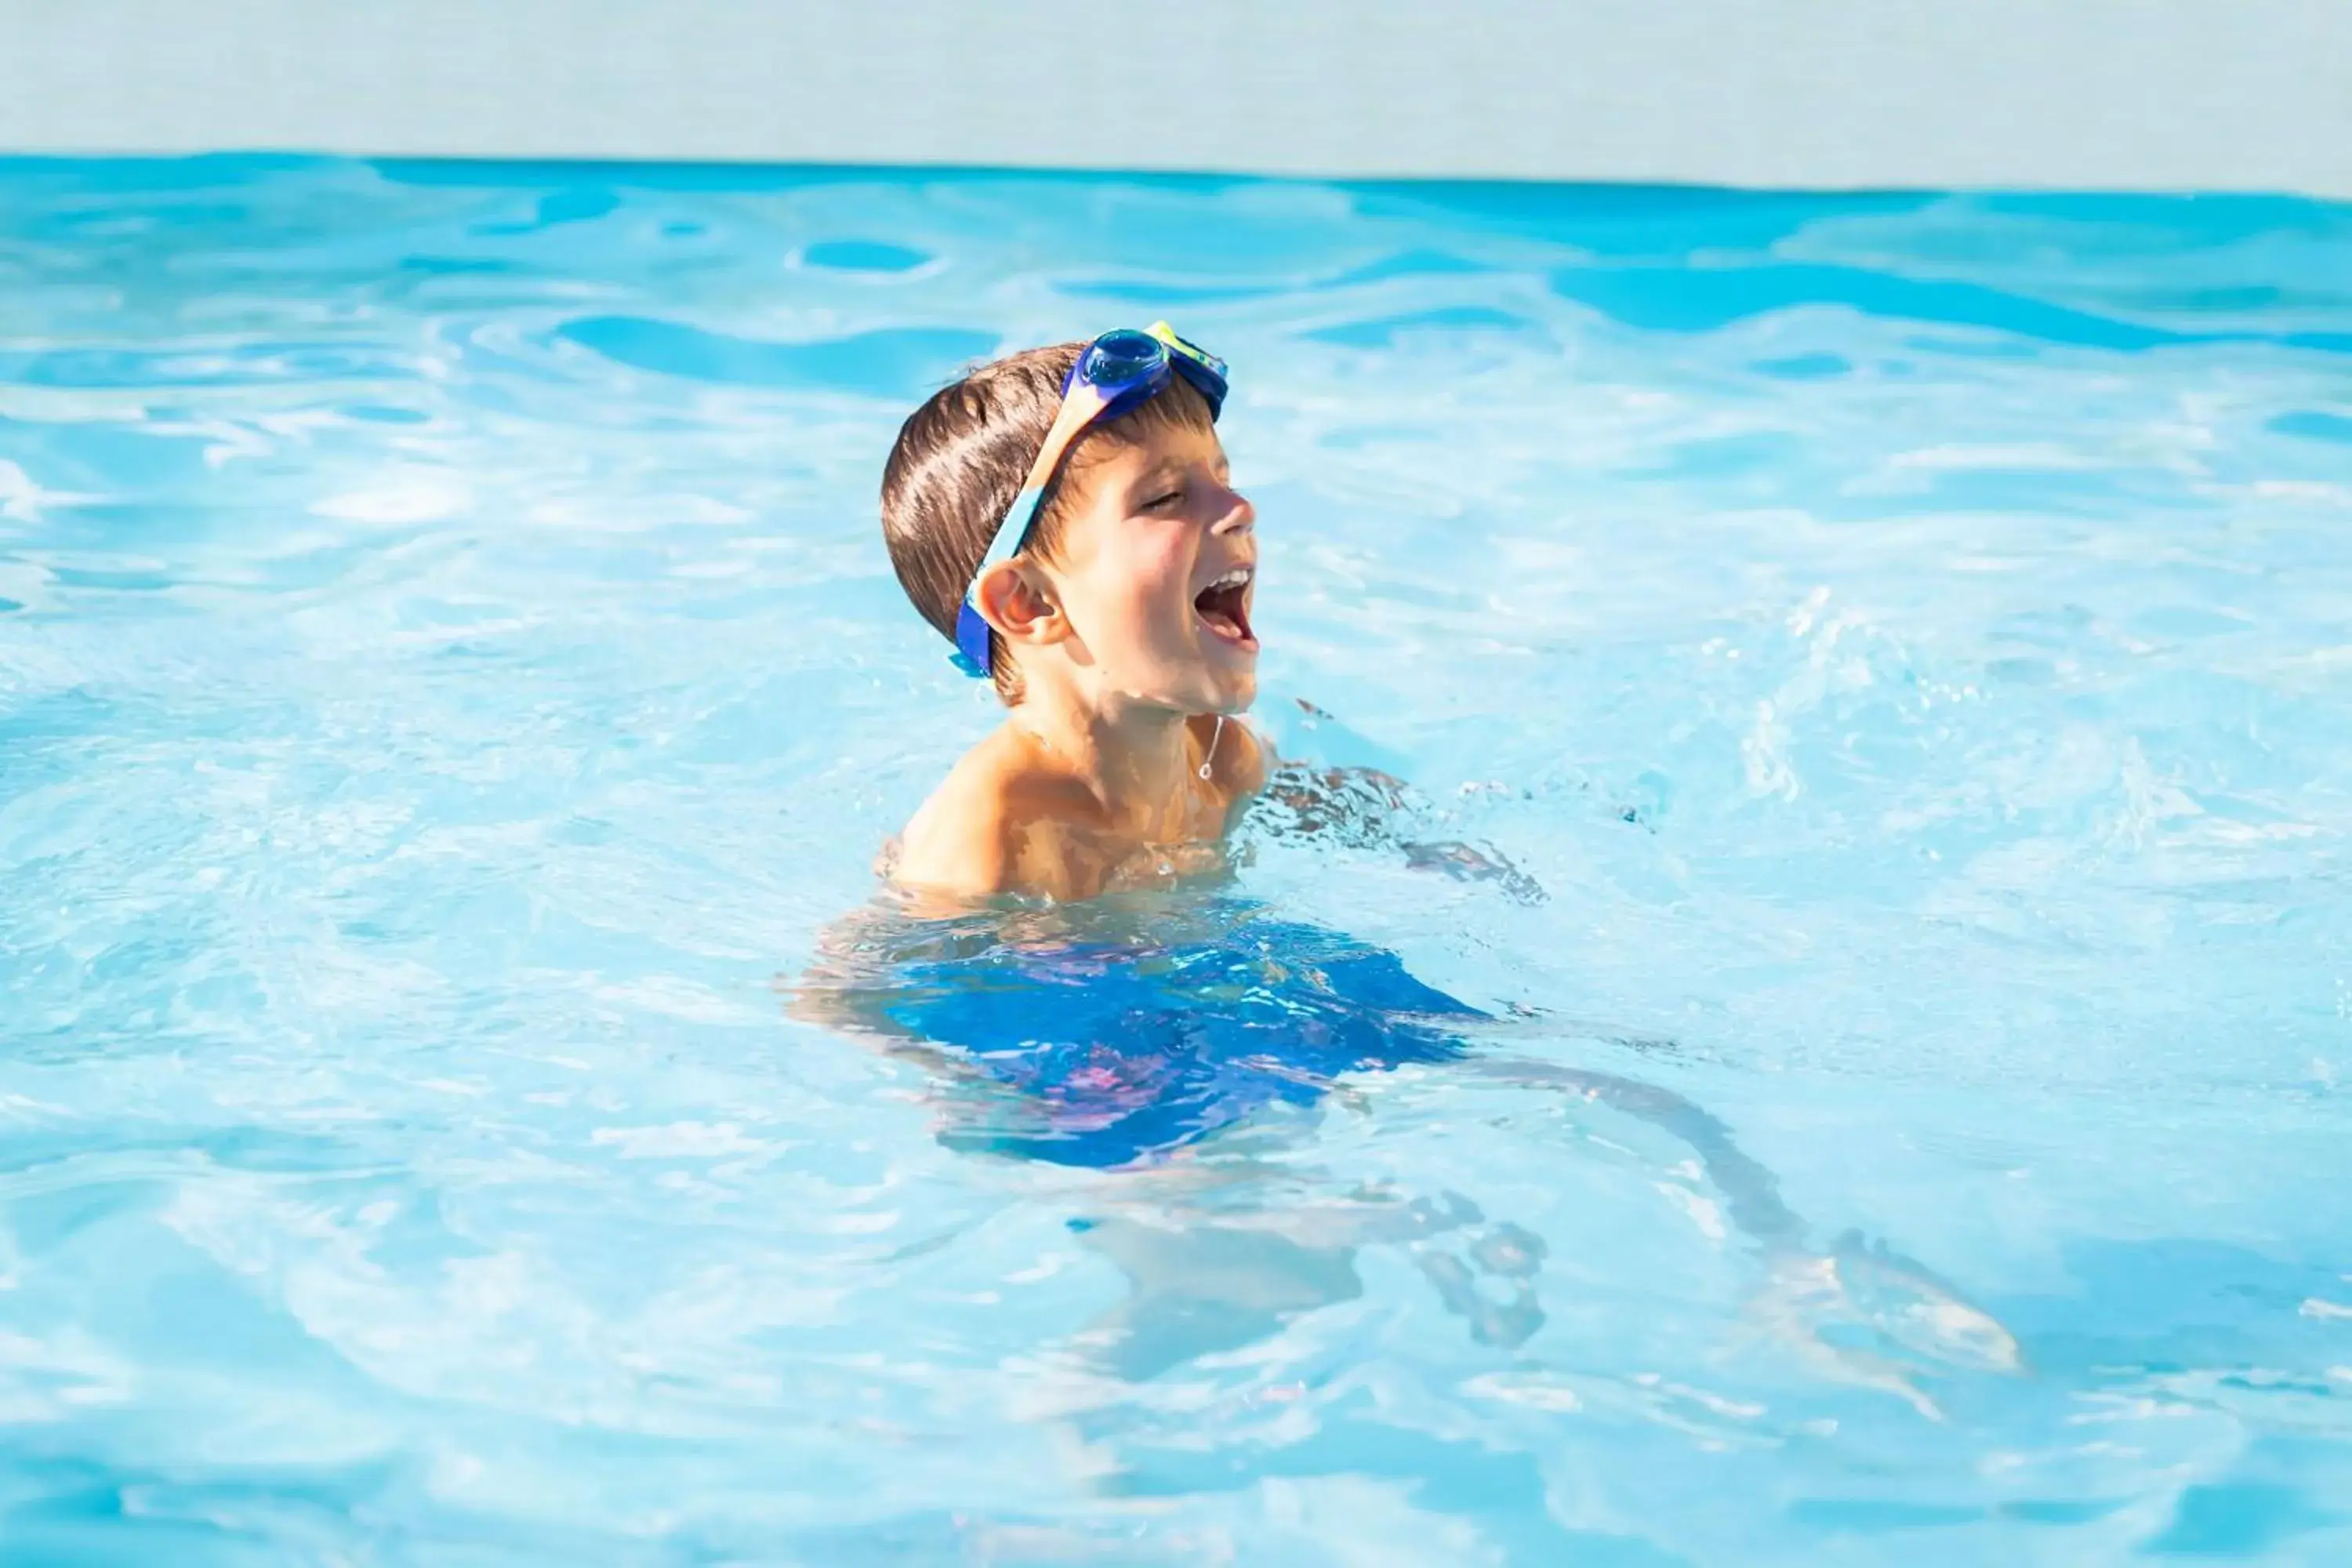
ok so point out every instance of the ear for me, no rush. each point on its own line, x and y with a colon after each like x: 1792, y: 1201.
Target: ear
x: 1018, y: 604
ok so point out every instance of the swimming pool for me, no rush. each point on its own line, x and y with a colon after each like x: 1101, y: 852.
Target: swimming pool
x: 1873, y: 1081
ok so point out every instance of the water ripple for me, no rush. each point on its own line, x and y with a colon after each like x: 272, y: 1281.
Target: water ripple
x: 1823, y: 1033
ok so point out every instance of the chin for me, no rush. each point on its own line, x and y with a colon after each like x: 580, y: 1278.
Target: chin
x: 1234, y: 693
x: 1208, y: 681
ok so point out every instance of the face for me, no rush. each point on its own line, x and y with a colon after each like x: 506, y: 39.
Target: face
x: 1157, y: 572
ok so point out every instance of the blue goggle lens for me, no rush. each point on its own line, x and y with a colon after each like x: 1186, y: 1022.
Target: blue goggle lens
x: 1122, y: 358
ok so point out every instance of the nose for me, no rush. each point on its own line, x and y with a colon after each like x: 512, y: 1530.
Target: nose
x: 1240, y: 516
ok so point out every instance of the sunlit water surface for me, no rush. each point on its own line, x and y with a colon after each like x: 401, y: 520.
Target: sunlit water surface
x: 1840, y: 1055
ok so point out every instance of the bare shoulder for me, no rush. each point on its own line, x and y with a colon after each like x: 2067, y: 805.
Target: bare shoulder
x: 988, y: 829
x: 959, y: 841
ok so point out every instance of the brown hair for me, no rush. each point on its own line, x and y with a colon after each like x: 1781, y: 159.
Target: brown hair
x: 959, y: 462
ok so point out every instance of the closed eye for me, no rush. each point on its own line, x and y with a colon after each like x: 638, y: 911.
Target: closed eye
x: 1160, y: 502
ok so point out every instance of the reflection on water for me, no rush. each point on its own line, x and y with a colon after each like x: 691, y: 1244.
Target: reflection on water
x: 1128, y: 1033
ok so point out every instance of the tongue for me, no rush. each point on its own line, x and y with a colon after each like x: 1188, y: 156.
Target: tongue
x: 1221, y: 608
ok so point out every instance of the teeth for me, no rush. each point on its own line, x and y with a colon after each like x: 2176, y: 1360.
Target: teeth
x: 1237, y: 578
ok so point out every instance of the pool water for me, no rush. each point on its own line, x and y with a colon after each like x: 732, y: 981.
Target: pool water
x: 1836, y: 1048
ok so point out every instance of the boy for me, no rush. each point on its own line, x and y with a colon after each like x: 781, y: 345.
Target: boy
x: 1067, y: 518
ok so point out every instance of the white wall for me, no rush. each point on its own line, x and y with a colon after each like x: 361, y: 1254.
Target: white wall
x: 2120, y: 94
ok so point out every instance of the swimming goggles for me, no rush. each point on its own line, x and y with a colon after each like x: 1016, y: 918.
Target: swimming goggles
x: 1117, y: 371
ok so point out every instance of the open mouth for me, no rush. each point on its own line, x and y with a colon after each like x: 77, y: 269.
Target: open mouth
x: 1224, y: 606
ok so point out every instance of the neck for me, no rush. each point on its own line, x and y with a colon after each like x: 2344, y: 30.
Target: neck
x: 1130, y: 754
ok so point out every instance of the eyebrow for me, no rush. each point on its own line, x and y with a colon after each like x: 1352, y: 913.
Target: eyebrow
x: 1164, y: 469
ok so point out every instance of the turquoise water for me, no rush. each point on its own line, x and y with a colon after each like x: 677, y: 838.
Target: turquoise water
x: 1836, y: 1051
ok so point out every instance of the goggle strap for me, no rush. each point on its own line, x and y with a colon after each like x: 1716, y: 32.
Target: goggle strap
x: 971, y: 626
x: 1081, y: 406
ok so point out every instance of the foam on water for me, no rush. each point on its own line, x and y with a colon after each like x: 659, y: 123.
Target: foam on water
x: 1839, y: 1048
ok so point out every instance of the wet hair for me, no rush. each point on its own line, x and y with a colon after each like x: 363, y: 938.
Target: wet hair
x: 959, y: 462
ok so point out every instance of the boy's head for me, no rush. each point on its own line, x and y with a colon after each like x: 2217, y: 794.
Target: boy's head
x: 1135, y: 582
